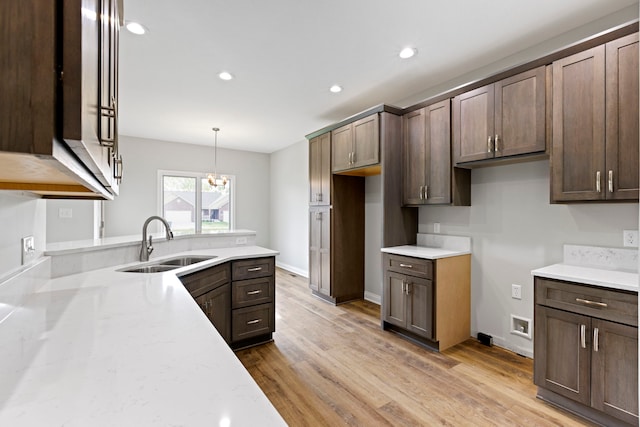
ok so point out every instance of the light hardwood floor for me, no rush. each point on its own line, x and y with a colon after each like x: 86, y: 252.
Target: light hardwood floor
x: 335, y: 366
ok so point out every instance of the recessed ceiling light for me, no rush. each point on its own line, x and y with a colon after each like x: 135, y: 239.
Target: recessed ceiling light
x: 335, y: 88
x: 135, y: 28
x: 225, y: 75
x: 407, y: 53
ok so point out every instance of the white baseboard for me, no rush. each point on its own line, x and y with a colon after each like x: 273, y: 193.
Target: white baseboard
x: 292, y: 269
x: 501, y: 342
x: 375, y: 298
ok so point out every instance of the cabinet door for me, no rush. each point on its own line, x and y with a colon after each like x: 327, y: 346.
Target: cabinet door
x: 614, y: 373
x: 315, y: 242
x: 420, y: 306
x: 325, y: 251
x: 577, y: 156
x: 473, y: 125
x: 320, y: 250
x: 341, y: 148
x: 320, y: 170
x: 520, y: 114
x: 216, y: 305
x: 415, y: 157
x: 622, y: 118
x: 88, y: 44
x: 438, y: 148
x: 394, y: 299
x: 366, y: 142
x: 562, y: 353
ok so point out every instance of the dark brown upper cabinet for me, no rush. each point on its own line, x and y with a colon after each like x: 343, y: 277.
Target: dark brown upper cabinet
x: 501, y: 120
x: 320, y: 170
x: 356, y: 146
x: 594, y: 153
x: 428, y: 177
x: 59, y: 85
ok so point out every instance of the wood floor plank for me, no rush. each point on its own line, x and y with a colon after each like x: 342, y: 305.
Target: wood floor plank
x: 333, y: 366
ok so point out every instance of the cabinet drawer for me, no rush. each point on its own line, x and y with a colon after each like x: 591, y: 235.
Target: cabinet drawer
x: 417, y: 267
x: 602, y: 303
x: 253, y: 268
x: 252, y: 321
x: 206, y: 280
x: 252, y: 292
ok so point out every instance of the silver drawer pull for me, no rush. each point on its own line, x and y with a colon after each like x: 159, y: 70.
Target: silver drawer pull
x: 406, y: 265
x: 254, y: 269
x: 253, y: 322
x: 597, y: 304
x: 254, y: 292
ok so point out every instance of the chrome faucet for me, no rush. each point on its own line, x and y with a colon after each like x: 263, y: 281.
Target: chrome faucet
x: 147, y: 246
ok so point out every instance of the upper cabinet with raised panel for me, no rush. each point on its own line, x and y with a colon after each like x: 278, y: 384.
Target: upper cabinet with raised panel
x: 501, y: 120
x: 53, y: 139
x: 595, y: 124
x: 428, y: 172
x: 356, y: 145
x: 320, y: 170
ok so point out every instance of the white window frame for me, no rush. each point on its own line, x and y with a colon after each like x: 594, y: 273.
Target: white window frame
x: 198, y: 176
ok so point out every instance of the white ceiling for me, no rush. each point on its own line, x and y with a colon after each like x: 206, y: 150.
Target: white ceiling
x: 285, y: 54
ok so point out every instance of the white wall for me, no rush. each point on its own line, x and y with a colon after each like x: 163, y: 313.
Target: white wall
x: 21, y: 215
x: 514, y: 229
x: 138, y: 193
x: 81, y: 225
x: 289, y: 207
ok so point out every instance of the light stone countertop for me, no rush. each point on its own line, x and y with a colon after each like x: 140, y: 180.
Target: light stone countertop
x: 424, y: 252
x: 108, y: 348
x: 606, y: 278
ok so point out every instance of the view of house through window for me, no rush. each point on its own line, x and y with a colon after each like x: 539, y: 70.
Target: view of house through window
x: 191, y: 205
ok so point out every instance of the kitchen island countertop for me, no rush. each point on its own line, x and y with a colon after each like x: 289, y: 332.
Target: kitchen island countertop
x: 109, y: 348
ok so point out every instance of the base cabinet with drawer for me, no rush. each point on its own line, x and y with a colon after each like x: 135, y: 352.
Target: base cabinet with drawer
x: 238, y: 297
x: 586, y: 350
x: 427, y: 301
x: 252, y: 301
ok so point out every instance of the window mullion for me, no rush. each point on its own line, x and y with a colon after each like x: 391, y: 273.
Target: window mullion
x: 198, y: 205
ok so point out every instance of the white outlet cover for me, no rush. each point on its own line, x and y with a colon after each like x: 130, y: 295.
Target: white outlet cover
x: 630, y: 238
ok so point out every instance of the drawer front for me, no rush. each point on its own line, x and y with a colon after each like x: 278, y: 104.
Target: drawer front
x: 252, y: 321
x: 206, y: 280
x: 253, y: 268
x: 245, y: 293
x: 417, y: 267
x: 602, y: 303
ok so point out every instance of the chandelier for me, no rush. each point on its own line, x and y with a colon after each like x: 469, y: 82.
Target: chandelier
x: 213, y: 178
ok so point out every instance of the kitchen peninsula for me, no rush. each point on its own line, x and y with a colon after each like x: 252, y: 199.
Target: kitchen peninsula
x: 105, y: 347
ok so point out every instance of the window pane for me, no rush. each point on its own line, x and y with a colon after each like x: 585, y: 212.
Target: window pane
x: 179, y: 203
x: 216, y: 212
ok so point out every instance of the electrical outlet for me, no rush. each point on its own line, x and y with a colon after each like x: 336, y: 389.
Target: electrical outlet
x: 241, y: 240
x: 630, y: 238
x: 436, y: 227
x: 516, y: 291
x: 28, y: 248
x: 65, y: 213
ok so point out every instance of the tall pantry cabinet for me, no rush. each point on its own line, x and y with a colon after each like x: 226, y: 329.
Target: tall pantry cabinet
x: 368, y: 144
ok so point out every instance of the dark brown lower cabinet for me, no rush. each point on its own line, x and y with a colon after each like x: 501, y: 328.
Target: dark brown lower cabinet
x: 586, y: 350
x: 427, y: 301
x: 216, y: 304
x: 238, y: 297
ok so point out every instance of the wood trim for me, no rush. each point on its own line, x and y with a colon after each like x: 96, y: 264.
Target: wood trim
x: 452, y: 300
x: 382, y: 108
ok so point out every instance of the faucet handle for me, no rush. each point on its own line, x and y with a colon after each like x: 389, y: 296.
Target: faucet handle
x: 150, y: 245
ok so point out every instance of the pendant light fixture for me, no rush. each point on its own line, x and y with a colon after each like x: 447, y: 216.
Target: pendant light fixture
x: 213, y: 178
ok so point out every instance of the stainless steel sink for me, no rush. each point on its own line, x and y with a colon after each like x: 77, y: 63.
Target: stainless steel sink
x: 168, y: 264
x: 186, y: 260
x: 149, y: 269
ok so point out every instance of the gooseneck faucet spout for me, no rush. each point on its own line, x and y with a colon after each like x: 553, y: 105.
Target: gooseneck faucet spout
x: 147, y: 246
